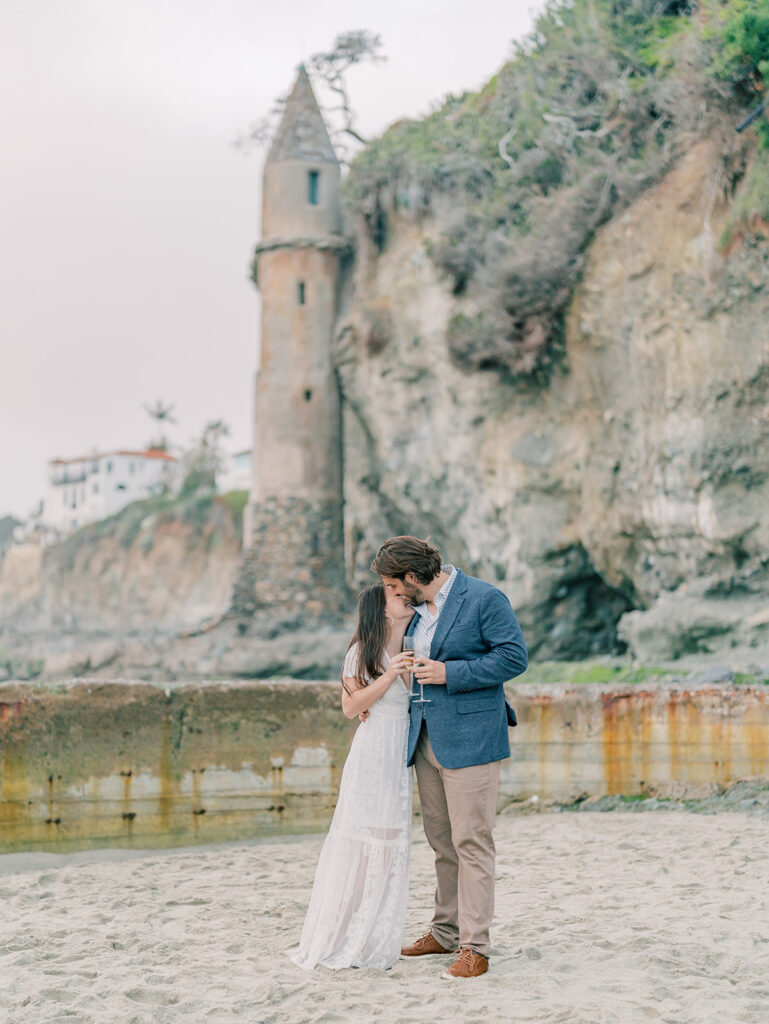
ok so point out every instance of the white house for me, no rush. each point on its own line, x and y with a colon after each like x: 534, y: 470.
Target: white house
x: 236, y: 473
x: 95, y: 486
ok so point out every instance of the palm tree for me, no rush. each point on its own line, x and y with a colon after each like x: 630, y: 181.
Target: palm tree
x: 161, y: 414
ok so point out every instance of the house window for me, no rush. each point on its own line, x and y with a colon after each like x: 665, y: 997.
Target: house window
x: 307, y: 395
x: 95, y: 489
x: 301, y: 293
x: 130, y: 467
x: 94, y: 467
x: 313, y: 187
x: 109, y: 467
x: 120, y: 487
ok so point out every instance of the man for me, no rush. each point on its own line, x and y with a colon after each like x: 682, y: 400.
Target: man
x: 457, y: 737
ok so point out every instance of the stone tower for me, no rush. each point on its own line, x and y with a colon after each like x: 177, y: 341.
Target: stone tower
x: 295, y: 559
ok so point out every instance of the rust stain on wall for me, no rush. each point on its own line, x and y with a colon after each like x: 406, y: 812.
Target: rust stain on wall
x: 9, y: 708
x: 718, y: 732
x: 544, y: 708
x: 617, y: 741
x: 674, y: 736
x: 757, y: 737
x: 646, y: 730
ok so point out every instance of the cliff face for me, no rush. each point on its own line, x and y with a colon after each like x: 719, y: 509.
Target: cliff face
x: 639, y: 467
x: 143, y: 596
x: 149, y: 568
x: 669, y: 352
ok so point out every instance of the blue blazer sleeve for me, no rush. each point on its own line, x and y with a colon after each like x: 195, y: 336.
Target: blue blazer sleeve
x: 507, y: 656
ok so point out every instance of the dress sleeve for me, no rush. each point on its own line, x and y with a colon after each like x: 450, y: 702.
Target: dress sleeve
x: 350, y: 667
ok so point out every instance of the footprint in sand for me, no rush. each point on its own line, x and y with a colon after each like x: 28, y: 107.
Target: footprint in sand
x: 57, y: 995
x: 152, y: 998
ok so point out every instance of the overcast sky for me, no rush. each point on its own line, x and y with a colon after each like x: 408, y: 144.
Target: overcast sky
x: 127, y: 218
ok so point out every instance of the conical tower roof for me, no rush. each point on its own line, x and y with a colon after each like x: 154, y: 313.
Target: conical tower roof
x: 302, y: 134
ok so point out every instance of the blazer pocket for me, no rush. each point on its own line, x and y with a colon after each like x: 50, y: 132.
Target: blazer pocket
x: 466, y: 707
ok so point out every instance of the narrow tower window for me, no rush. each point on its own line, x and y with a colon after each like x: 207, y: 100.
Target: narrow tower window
x: 300, y: 293
x: 313, y: 187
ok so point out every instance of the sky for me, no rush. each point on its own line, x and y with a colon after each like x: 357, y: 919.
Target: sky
x: 128, y: 217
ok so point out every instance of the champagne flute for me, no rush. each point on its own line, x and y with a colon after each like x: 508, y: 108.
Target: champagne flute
x: 409, y: 645
x: 422, y: 699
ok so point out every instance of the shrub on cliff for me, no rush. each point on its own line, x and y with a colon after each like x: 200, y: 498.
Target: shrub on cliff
x: 746, y: 38
x: 591, y: 110
x: 204, y: 460
x: 743, y: 55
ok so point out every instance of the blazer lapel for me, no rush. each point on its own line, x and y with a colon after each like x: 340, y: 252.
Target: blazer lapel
x: 450, y: 610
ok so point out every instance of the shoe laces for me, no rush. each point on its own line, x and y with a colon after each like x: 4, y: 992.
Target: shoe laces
x: 466, y: 956
x: 423, y: 939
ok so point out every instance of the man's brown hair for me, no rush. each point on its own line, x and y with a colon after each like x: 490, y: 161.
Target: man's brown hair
x: 400, y: 555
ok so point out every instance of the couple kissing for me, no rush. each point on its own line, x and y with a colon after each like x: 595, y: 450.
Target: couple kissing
x: 464, y: 643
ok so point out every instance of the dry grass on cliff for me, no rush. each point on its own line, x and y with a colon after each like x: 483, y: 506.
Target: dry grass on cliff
x: 591, y: 110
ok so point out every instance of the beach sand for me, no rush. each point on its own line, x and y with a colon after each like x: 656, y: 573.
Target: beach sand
x: 600, y: 917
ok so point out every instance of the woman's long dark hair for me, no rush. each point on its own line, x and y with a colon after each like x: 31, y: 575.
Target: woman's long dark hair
x: 370, y: 633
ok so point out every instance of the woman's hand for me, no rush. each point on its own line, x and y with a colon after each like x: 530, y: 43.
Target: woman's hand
x: 360, y: 698
x: 401, y: 664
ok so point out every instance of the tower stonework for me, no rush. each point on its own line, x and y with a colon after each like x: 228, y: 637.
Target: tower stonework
x: 295, y: 557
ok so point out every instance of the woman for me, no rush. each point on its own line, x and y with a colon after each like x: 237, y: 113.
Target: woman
x: 358, y: 903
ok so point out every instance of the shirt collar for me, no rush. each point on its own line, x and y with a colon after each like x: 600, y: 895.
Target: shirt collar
x: 443, y: 593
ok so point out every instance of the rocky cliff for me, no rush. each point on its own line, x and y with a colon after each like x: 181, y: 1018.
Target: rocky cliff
x: 118, y: 588
x: 639, y: 467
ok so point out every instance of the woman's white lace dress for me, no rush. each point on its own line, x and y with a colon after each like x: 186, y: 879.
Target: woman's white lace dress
x: 358, y: 904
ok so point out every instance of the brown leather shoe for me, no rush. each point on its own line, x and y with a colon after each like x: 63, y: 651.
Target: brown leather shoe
x: 426, y: 944
x: 468, y: 964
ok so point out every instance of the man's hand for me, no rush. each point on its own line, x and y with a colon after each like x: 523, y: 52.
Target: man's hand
x: 364, y: 715
x: 431, y: 673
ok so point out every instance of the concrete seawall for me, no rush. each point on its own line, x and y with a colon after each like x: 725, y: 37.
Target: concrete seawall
x: 135, y: 765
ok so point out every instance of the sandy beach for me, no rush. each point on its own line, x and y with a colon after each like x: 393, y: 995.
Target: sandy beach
x: 600, y: 917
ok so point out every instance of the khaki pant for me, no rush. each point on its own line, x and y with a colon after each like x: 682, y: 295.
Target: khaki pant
x: 458, y: 810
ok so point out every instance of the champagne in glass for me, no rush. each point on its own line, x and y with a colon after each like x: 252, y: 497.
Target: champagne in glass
x: 408, y: 645
x: 422, y: 656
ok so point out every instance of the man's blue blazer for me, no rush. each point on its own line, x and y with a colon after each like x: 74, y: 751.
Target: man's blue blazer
x: 480, y: 641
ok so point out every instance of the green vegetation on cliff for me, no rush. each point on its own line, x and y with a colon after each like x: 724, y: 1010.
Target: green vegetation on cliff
x: 7, y: 525
x: 592, y: 109
x: 208, y: 515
